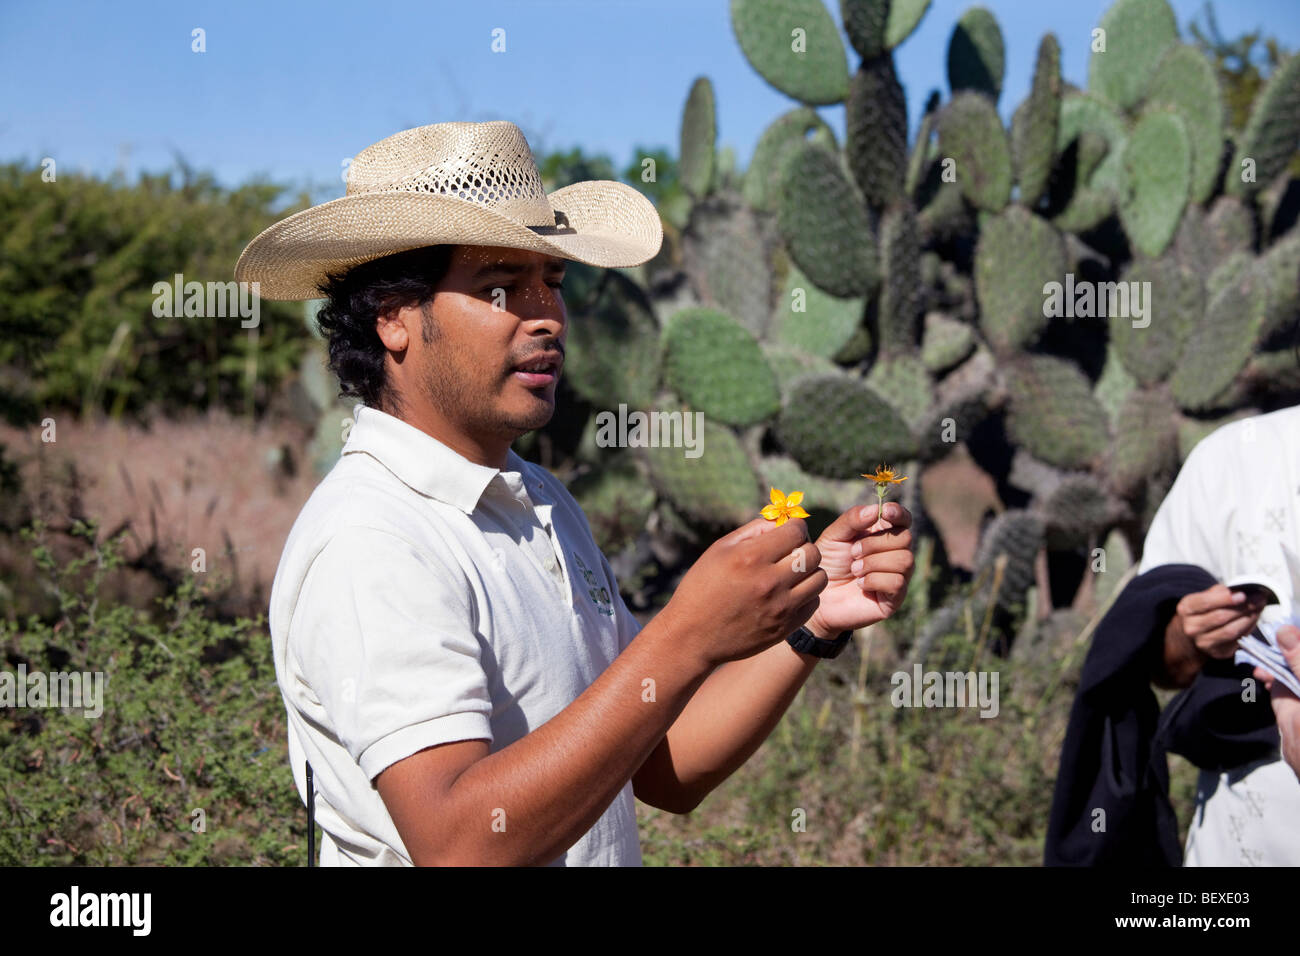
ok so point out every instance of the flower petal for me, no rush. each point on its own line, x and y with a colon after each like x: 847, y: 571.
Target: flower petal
x: 778, y: 498
x: 794, y: 498
x: 797, y: 512
x: 771, y: 512
x: 782, y: 520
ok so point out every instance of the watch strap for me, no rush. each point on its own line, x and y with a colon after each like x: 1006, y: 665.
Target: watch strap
x: 806, y: 642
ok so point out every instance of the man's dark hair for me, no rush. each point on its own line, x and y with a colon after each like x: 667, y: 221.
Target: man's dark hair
x: 358, y: 297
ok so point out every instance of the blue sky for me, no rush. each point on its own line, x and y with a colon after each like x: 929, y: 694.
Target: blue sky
x: 288, y: 89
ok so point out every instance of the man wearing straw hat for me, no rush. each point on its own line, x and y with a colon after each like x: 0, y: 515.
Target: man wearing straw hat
x: 459, y: 669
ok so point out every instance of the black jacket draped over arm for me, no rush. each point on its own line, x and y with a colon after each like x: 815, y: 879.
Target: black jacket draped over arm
x: 1114, y: 756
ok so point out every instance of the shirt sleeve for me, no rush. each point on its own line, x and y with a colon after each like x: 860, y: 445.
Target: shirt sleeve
x: 384, y: 636
x: 1191, y: 524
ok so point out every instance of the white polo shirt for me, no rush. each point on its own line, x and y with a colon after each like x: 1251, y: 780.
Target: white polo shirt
x: 1236, y: 497
x: 423, y: 598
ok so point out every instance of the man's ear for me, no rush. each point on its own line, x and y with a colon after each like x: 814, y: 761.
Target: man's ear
x: 391, y: 329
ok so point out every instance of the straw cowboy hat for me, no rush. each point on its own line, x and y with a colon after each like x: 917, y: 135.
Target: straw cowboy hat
x: 456, y: 183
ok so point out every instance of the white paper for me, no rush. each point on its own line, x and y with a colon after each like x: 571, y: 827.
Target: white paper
x: 1260, y: 648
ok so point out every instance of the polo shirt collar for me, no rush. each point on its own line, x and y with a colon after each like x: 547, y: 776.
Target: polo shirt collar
x: 421, y: 461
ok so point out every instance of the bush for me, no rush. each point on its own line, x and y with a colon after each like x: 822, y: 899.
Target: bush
x: 187, y: 764
x: 79, y: 258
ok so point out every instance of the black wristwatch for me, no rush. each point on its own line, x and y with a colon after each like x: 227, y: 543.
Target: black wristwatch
x: 806, y: 642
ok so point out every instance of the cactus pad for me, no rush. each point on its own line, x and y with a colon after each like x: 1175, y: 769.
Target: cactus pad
x: 1281, y: 268
x: 837, y: 427
x: 950, y: 421
x: 1114, y: 384
x: 1137, y: 33
x: 1271, y: 133
x: 817, y: 74
x: 1091, y: 134
x: 761, y: 178
x: 698, y: 137
x: 716, y: 366
x: 1017, y: 255
x: 904, y: 15
x: 726, y: 258
x: 1185, y: 81
x: 1033, y: 131
x: 1218, y: 347
x: 1155, y: 180
x: 717, y: 489
x: 1174, y: 305
x: 876, y: 131
x: 616, y: 501
x: 824, y: 225
x: 945, y: 215
x: 923, y: 152
x: 971, y: 134
x: 946, y: 342
x: 1053, y: 412
x: 825, y: 324
x: 899, y: 315
x: 864, y: 22
x: 790, y: 363
x: 612, y: 352
x: 1146, y: 439
x: 976, y: 58
x: 1076, y: 510
x: 1018, y: 534
x: 904, y: 383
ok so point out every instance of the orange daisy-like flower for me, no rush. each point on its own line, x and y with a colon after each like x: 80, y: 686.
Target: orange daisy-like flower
x: 884, y: 475
x: 783, y: 508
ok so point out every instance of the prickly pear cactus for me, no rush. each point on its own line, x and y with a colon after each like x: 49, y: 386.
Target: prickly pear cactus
x: 1065, y: 305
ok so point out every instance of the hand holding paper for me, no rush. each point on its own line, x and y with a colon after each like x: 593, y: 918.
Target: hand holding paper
x: 1265, y: 653
x: 1286, y: 706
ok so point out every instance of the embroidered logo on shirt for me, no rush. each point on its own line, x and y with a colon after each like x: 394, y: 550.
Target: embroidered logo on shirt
x: 1275, y: 518
x: 599, y: 595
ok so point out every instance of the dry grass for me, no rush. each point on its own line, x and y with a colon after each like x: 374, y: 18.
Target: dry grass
x: 209, y: 481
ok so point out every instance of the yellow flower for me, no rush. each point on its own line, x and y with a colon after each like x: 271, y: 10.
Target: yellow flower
x: 782, y: 509
x: 884, y: 475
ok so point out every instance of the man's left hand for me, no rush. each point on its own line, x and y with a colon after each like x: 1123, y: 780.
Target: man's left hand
x: 869, y: 563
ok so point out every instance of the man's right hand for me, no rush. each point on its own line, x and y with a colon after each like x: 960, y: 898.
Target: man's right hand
x: 744, y: 593
x: 1206, y: 624
x: 1214, y: 619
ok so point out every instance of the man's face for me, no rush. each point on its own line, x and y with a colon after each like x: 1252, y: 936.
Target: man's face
x: 495, y: 310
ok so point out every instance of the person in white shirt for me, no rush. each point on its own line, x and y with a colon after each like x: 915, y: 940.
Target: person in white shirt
x: 1233, y: 504
x: 458, y: 666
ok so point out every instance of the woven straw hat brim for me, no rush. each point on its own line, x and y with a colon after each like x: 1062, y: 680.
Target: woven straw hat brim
x: 610, y: 225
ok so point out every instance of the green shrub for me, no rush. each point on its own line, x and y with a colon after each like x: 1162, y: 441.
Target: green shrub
x: 192, y: 720
x: 79, y: 258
